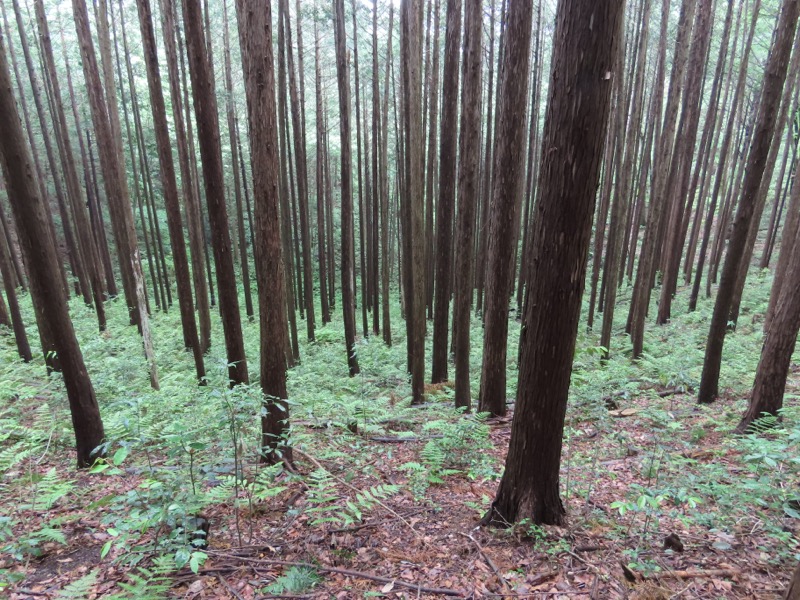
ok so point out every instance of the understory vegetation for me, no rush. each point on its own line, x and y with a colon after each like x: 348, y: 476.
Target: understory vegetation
x: 390, y: 490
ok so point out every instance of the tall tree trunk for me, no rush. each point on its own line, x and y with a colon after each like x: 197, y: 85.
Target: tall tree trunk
x: 774, y: 78
x: 384, y: 184
x: 508, y: 176
x: 112, y: 167
x: 779, y: 341
x: 586, y: 40
x: 205, y: 107
x: 302, y: 175
x: 348, y: 292
x: 322, y: 257
x: 722, y: 171
x: 74, y: 253
x: 255, y: 38
x: 86, y: 245
x: 238, y: 183
x: 447, y: 190
x: 170, y: 188
x: 624, y: 190
x: 190, y: 201
x: 414, y: 200
x: 468, y: 180
x: 677, y: 189
x: 28, y: 207
x: 648, y: 256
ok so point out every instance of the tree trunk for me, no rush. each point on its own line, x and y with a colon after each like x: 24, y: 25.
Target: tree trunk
x: 384, y: 183
x: 12, y: 316
x: 793, y: 592
x: 447, y: 191
x: 348, y: 292
x: 255, y: 38
x: 586, y: 39
x: 468, y: 180
x: 170, y: 188
x: 677, y: 189
x: 302, y: 176
x: 238, y: 183
x: 774, y: 77
x: 86, y: 245
x: 205, y: 107
x: 28, y: 207
x: 113, y: 170
x: 508, y: 176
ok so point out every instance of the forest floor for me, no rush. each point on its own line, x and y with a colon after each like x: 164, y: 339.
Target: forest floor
x: 663, y: 501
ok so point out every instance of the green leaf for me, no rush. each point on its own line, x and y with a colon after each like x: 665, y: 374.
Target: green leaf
x: 120, y: 455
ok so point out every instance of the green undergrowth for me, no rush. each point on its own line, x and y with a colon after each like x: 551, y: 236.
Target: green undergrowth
x: 188, y: 450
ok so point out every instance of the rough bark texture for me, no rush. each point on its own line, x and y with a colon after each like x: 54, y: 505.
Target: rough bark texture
x: 774, y: 77
x: 793, y: 592
x: 468, y: 191
x: 447, y: 191
x: 508, y: 176
x: 414, y: 226
x: 348, y: 286
x: 116, y: 185
x: 205, y: 107
x: 779, y: 341
x: 255, y: 38
x: 80, y: 215
x: 585, y: 46
x: 190, y: 200
x: 170, y: 187
x: 28, y: 208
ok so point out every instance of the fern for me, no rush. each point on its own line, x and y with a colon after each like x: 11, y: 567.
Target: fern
x: 14, y: 454
x: 49, y: 490
x: 81, y: 587
x: 296, y: 580
x: 145, y: 584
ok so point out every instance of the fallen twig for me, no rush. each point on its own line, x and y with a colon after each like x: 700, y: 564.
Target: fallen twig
x: 347, y: 573
x: 227, y: 586
x: 488, y: 560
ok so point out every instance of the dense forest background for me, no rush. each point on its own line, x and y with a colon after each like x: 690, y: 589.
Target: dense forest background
x: 471, y: 298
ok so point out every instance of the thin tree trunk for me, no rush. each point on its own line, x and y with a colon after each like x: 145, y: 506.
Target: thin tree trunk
x: 447, y: 190
x: 343, y: 77
x: 205, y: 106
x: 508, y: 176
x: 170, y: 188
x: 414, y: 202
x: 468, y: 181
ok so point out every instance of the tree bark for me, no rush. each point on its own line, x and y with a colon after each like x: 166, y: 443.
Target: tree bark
x: 508, y: 176
x: 413, y: 201
x: 205, y: 107
x: 170, y: 188
x: 191, y: 202
x: 79, y: 213
x: 255, y: 38
x: 348, y: 291
x: 774, y: 78
x: 447, y: 191
x: 586, y: 40
x: 28, y: 207
x: 468, y: 180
